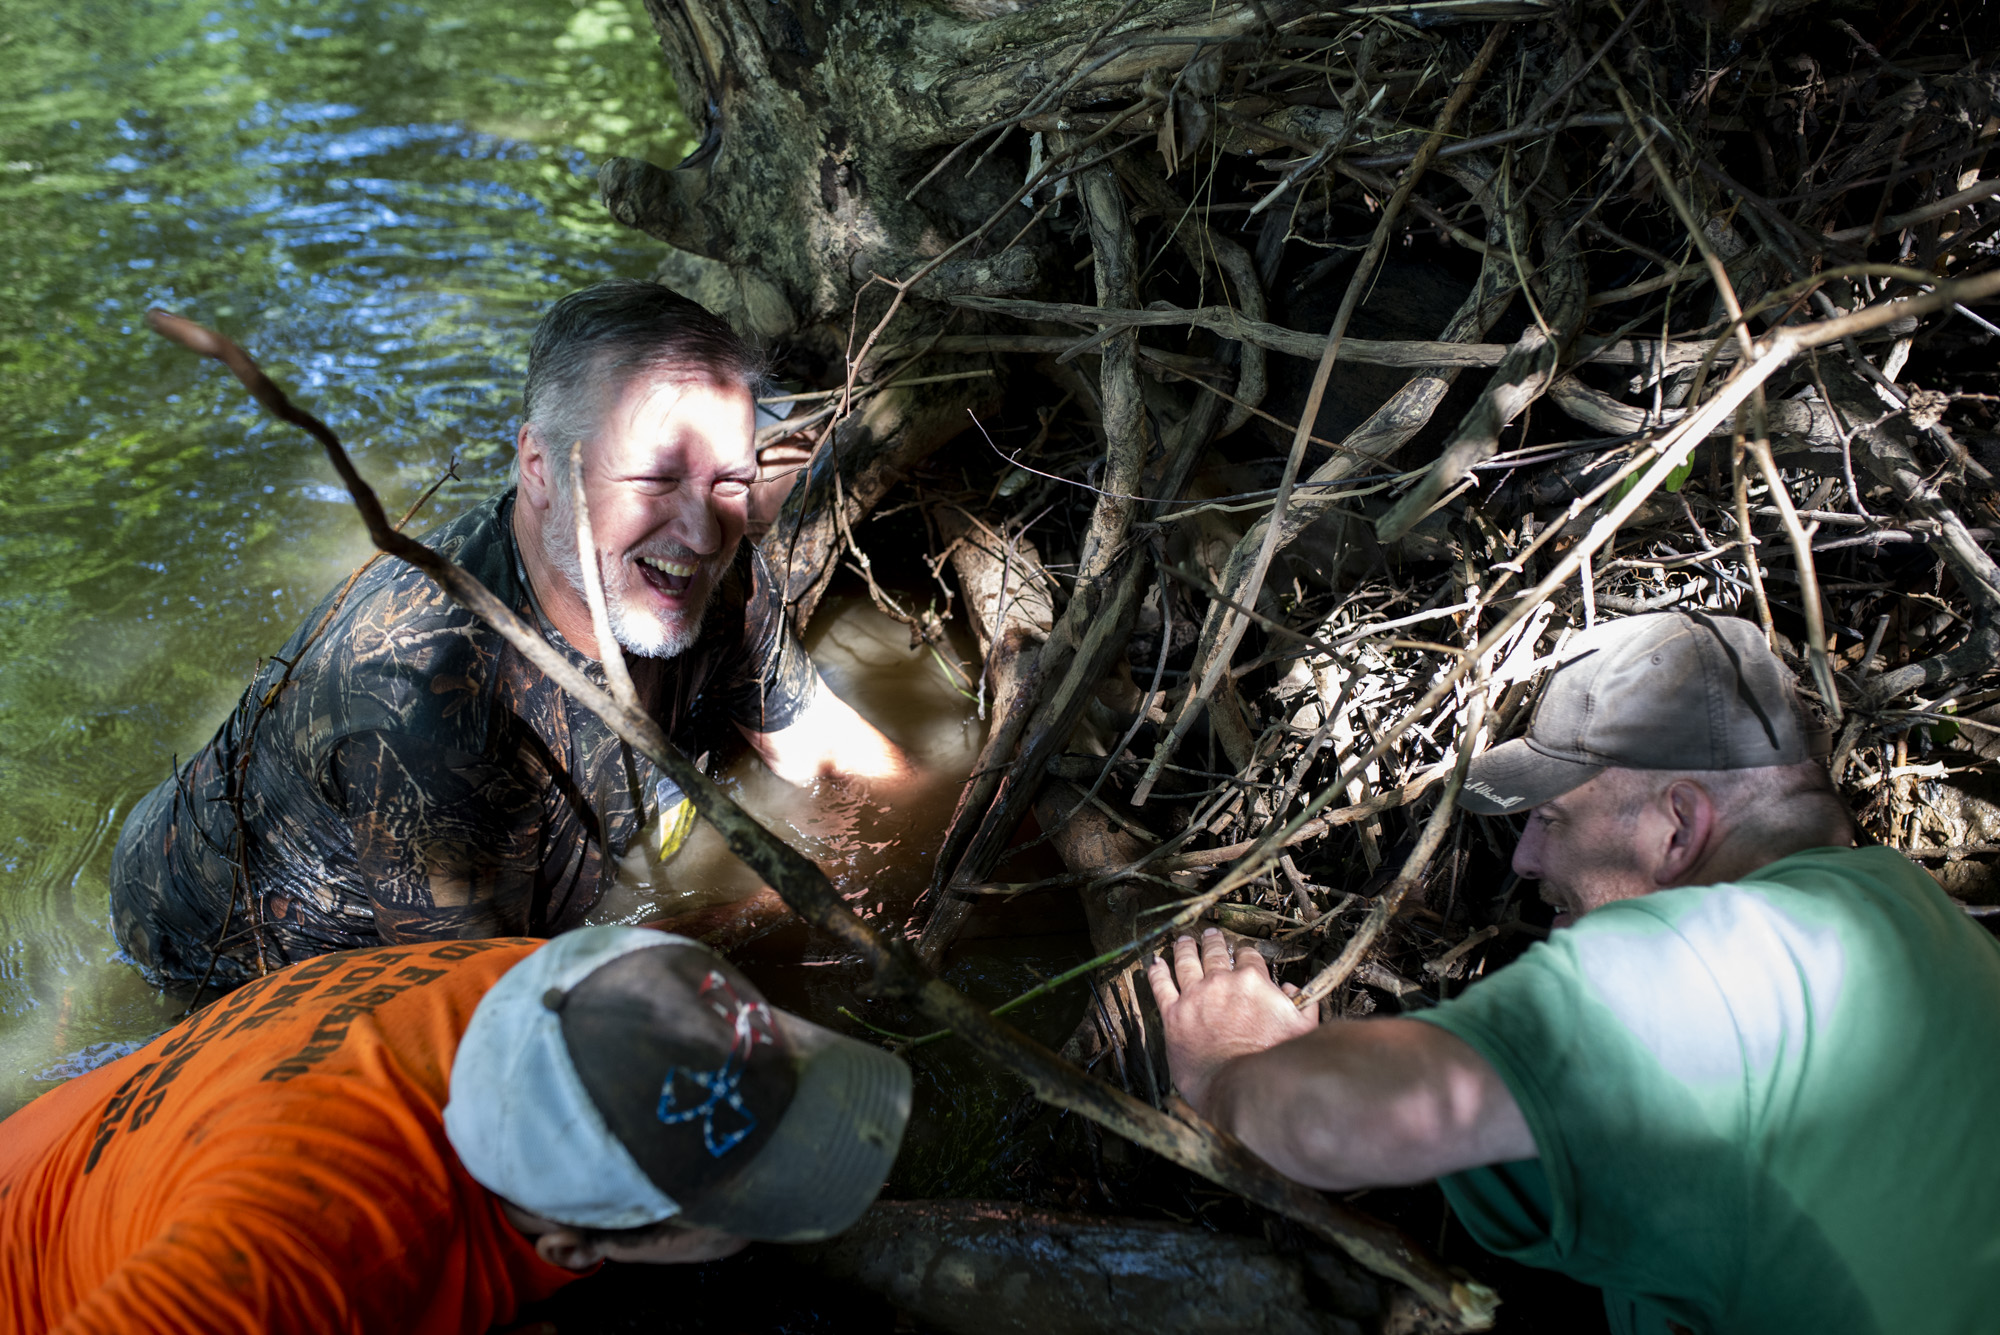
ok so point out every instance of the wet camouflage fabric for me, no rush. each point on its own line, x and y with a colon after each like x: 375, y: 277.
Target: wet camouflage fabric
x: 417, y: 779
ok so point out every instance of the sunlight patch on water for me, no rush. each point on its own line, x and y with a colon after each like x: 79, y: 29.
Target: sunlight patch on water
x: 880, y: 858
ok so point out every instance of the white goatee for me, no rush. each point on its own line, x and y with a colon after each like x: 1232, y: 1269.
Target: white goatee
x: 638, y: 629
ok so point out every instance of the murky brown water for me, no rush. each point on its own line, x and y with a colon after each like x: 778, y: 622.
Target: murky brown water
x: 958, y: 1142
x: 879, y: 858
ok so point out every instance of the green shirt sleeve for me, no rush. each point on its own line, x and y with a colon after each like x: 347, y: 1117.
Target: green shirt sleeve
x: 1637, y: 1188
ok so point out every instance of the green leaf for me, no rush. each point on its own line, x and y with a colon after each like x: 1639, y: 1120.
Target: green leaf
x: 1674, y: 482
x: 1945, y: 731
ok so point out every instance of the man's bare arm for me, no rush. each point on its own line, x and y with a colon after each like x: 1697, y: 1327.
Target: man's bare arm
x: 1361, y: 1103
x: 1337, y: 1106
x: 829, y: 740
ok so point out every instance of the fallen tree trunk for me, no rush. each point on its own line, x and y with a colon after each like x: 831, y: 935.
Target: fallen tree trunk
x: 1002, y: 1268
x: 860, y: 460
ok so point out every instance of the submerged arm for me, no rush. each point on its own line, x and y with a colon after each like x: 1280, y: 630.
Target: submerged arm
x: 446, y: 843
x: 829, y: 739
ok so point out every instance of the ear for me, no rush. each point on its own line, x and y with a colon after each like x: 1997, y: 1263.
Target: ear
x: 1691, y: 823
x: 534, y: 465
x: 567, y: 1248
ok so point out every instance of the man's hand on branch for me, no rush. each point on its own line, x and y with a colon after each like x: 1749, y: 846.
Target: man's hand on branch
x: 1215, y: 1007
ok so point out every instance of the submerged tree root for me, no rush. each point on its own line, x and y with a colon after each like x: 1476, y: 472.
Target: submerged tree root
x: 987, y: 1267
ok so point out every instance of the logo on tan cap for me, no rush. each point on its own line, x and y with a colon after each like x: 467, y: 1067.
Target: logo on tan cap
x: 1486, y: 791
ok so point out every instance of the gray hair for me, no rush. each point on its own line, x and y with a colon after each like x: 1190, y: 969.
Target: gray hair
x: 601, y: 336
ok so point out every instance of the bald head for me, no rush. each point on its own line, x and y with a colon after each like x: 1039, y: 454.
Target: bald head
x: 1629, y: 832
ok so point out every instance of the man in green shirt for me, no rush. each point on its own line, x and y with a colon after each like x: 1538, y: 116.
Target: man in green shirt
x: 1747, y: 1090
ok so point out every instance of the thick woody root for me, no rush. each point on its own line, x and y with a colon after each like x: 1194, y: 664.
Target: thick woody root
x: 1007, y: 597
x: 980, y: 1267
x: 1093, y: 627
x: 861, y: 459
x: 1120, y: 1033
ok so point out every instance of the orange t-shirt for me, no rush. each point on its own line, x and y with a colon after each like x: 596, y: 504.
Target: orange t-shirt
x: 277, y: 1162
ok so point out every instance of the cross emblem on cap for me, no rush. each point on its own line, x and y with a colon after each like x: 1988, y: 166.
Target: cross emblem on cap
x: 750, y: 1025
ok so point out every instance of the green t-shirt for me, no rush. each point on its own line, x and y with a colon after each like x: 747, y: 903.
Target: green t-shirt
x: 1768, y: 1106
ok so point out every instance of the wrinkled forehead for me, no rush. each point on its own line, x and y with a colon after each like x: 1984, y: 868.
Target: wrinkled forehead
x: 671, y: 409
x: 617, y: 368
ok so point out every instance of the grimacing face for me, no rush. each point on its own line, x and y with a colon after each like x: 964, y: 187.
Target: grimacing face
x: 1584, y: 848
x: 667, y: 477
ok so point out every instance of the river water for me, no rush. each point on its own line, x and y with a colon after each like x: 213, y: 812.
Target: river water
x: 377, y: 201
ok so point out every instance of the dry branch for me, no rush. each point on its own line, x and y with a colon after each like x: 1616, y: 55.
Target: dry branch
x: 1245, y: 326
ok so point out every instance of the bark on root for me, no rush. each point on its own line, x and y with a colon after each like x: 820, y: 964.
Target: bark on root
x: 992, y: 1267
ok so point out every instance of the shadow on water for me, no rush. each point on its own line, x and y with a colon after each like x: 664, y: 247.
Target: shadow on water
x: 881, y: 861
x: 377, y: 200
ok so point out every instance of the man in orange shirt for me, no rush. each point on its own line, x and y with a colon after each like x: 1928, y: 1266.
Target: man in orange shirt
x: 426, y: 1137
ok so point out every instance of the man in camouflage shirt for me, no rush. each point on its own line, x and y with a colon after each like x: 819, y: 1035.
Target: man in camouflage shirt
x: 399, y: 773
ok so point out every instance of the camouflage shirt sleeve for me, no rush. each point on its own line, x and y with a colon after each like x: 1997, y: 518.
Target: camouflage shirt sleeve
x: 773, y: 679
x: 448, y: 844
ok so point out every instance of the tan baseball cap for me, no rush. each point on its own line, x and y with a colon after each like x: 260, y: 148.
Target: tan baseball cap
x: 1663, y: 690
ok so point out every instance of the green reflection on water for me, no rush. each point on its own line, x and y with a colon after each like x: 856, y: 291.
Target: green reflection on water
x: 378, y: 201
